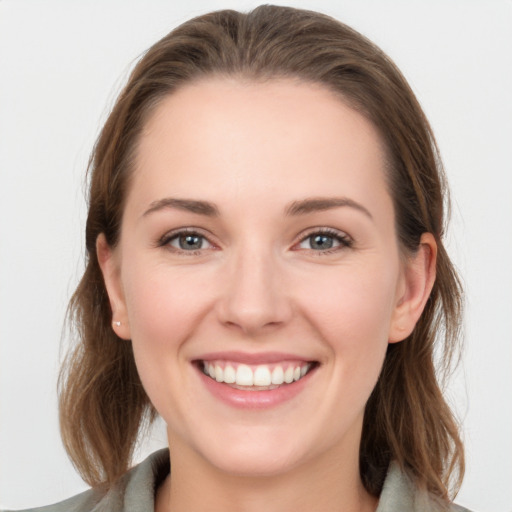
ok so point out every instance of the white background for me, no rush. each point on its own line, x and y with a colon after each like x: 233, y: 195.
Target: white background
x: 61, y: 65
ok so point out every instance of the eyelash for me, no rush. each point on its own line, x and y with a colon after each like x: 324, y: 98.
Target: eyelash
x: 342, y: 238
x: 174, y: 235
x: 345, y: 242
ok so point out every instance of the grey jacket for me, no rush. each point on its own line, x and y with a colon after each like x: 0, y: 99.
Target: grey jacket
x: 136, y: 490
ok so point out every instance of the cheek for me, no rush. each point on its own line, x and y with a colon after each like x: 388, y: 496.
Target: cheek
x: 353, y: 318
x: 353, y: 308
x: 161, y: 303
x: 163, y: 310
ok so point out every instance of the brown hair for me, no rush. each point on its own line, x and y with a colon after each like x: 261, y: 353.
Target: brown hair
x: 102, y: 403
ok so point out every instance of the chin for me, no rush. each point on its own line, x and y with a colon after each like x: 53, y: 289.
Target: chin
x: 254, y: 465
x: 246, y: 455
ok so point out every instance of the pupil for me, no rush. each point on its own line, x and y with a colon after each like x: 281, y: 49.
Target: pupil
x: 190, y: 242
x: 321, y: 242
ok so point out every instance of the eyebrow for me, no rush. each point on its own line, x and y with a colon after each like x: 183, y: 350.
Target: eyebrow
x: 301, y: 207
x: 189, y: 205
x: 318, y: 204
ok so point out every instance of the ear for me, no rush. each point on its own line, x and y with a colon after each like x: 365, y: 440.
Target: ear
x: 417, y: 280
x: 110, y: 268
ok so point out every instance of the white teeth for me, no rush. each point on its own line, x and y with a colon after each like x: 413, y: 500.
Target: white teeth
x: 262, y: 376
x: 288, y: 375
x: 278, y: 375
x: 244, y: 376
x: 229, y: 375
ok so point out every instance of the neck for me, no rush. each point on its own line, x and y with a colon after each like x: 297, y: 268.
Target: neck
x: 333, y: 484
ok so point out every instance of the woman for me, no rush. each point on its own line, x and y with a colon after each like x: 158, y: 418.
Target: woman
x: 284, y: 333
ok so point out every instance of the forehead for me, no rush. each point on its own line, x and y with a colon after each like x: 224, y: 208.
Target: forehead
x: 233, y: 137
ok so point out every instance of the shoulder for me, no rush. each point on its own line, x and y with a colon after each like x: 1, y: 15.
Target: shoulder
x: 459, y: 508
x: 85, y: 501
x: 134, y: 491
x: 399, y: 494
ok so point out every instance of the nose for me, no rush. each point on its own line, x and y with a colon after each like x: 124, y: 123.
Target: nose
x: 254, y: 298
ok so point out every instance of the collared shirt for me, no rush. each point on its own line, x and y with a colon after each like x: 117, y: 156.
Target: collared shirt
x: 135, y: 492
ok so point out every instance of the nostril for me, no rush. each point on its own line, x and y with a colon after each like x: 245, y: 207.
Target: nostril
x: 251, y: 315
x: 253, y: 296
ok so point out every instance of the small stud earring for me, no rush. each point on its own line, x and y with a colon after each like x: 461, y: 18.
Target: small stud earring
x: 117, y: 324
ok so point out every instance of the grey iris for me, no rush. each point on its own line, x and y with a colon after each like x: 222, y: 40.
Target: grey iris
x: 321, y: 242
x: 188, y: 242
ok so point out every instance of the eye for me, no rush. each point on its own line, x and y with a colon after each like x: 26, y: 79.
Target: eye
x: 325, y: 241
x: 186, y: 241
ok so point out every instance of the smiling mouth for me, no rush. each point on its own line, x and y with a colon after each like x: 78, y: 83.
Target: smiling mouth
x: 259, y: 377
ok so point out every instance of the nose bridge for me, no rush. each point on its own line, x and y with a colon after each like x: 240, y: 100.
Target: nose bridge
x: 254, y: 297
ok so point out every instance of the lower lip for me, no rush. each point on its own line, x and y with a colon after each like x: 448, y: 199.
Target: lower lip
x: 265, y: 399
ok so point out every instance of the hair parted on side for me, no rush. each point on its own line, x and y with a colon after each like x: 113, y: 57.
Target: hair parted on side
x: 103, y: 405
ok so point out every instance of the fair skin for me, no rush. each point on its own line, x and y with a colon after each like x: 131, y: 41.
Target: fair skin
x: 259, y: 233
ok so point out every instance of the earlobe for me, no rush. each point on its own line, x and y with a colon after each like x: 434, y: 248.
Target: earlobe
x: 111, y: 276
x: 419, y: 276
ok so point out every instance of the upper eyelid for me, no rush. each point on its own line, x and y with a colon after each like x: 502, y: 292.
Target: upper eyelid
x: 192, y: 230
x: 165, y: 242
x: 342, y: 235
x: 344, y: 239
x: 165, y: 239
x: 325, y: 231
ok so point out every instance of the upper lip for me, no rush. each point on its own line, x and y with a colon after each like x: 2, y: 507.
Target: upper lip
x: 252, y: 358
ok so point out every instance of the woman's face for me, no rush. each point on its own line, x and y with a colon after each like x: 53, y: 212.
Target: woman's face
x: 258, y: 245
